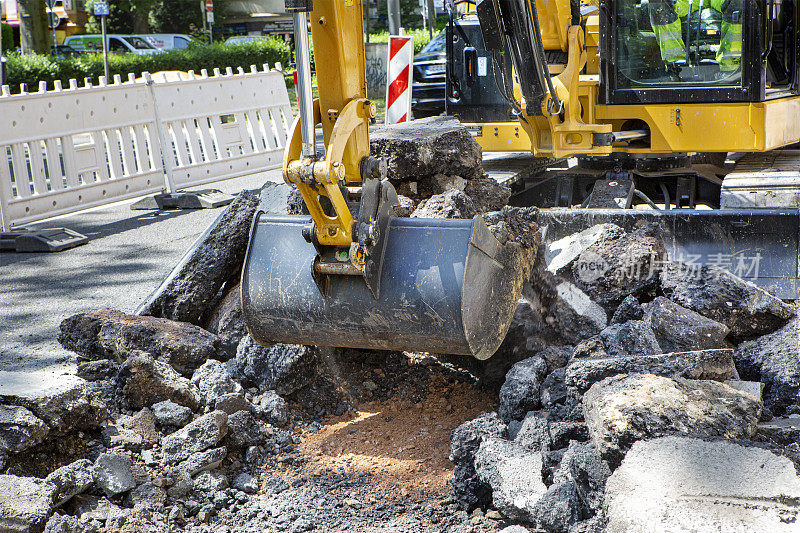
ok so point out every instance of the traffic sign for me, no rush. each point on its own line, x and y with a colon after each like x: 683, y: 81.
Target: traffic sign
x: 210, y: 17
x: 101, y: 9
x: 209, y: 5
x: 53, y: 20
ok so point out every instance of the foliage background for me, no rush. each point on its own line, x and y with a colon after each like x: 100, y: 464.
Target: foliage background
x: 8, y: 37
x: 31, y: 69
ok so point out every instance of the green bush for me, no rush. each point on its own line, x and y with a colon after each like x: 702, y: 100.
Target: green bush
x: 32, y: 69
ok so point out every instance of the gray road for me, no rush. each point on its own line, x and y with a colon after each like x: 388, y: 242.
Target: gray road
x: 128, y: 254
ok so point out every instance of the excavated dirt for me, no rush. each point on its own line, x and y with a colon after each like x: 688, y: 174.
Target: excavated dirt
x: 404, y: 445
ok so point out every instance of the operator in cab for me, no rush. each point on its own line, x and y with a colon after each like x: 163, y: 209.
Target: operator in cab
x: 674, y: 43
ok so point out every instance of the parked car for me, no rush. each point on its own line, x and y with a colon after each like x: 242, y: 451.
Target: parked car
x: 428, y: 84
x: 169, y: 41
x: 120, y: 44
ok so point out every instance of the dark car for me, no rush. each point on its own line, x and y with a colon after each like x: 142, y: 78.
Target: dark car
x: 428, y: 85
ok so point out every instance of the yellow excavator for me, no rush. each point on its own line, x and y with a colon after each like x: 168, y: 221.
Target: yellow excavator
x: 354, y: 274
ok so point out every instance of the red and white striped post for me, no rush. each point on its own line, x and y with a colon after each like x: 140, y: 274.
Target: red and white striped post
x: 398, y: 86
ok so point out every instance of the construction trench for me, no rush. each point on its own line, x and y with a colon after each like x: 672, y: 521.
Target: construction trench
x: 632, y: 392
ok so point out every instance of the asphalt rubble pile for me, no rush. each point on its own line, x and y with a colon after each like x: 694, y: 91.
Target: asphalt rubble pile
x: 631, y: 393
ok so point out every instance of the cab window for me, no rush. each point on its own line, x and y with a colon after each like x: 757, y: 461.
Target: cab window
x: 684, y: 42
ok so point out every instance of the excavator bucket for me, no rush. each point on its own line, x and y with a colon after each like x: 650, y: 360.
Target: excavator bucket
x: 447, y: 286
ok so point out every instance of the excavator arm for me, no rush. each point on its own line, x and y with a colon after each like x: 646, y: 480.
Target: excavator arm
x: 551, y: 112
x: 352, y: 273
x: 347, y: 244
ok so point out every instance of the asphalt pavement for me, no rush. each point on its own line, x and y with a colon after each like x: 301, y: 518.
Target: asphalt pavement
x: 127, y: 256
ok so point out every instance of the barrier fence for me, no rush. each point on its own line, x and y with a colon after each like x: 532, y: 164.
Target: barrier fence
x: 79, y: 147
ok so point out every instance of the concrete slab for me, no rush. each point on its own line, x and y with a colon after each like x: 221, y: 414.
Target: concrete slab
x: 685, y: 484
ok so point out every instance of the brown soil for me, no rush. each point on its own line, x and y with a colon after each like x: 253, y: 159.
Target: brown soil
x: 405, y: 445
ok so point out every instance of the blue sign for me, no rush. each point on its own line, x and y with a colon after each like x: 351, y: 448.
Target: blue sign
x: 100, y: 8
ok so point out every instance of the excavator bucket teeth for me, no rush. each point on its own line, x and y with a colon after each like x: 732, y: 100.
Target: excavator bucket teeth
x: 447, y: 286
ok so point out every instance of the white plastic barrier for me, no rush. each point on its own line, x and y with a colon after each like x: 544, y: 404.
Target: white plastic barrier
x: 70, y: 149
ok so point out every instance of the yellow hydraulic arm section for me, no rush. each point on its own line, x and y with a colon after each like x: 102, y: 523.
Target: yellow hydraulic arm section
x: 342, y: 108
x: 347, y: 243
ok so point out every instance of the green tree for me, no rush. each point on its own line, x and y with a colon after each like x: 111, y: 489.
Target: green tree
x: 184, y: 16
x: 410, y: 15
x: 33, y: 30
x: 124, y: 16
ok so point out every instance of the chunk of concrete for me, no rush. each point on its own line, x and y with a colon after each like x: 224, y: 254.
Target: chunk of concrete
x: 624, y: 409
x: 576, y: 316
x: 273, y: 409
x: 20, y: 429
x: 188, y: 291
x: 715, y: 365
x: 469, y: 490
x: 559, y: 509
x: 629, y: 309
x: 753, y: 388
x: 559, y: 255
x: 25, y: 504
x: 680, y: 330
x: 284, y: 368
x: 169, y: 413
x: 418, y: 150
x: 634, y: 337
x: 113, y: 474
x: 534, y: 433
x: 211, y: 482
x: 64, y: 402
x: 520, y: 392
x: 143, y: 424
x: 774, y: 359
x: 487, y: 194
x: 582, y: 465
x: 682, y: 484
x: 212, y: 380
x: 449, y: 204
x: 111, y: 334
x: 614, y: 268
x: 145, y: 381
x: 246, y: 482
x: 62, y: 523
x: 201, y: 461
x: 232, y: 402
x: 71, y: 480
x: 746, y: 309
x: 200, y: 435
x: 244, y: 430
x: 514, y: 474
